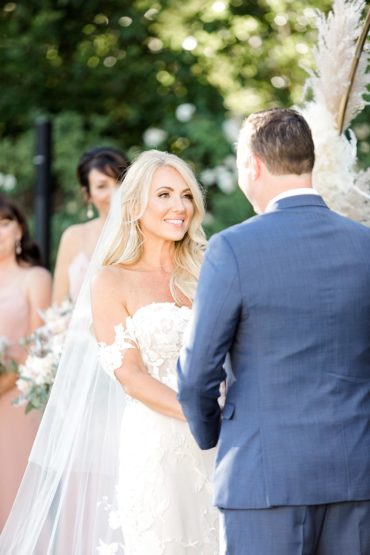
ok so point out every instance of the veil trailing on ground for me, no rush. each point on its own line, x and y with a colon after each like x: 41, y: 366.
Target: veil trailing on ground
x: 66, y: 503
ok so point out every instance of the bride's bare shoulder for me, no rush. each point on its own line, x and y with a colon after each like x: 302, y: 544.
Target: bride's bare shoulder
x: 111, y: 277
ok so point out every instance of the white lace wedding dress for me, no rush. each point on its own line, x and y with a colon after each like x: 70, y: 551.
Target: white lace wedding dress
x: 165, y: 491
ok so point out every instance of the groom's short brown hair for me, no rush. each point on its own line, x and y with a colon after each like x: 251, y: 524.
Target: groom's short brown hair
x: 281, y: 138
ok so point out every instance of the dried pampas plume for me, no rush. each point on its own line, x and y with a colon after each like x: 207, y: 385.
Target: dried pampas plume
x: 338, y: 85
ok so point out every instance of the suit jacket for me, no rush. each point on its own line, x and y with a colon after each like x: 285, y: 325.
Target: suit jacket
x: 287, y: 294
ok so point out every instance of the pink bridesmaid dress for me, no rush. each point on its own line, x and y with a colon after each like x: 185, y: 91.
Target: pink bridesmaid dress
x: 17, y: 430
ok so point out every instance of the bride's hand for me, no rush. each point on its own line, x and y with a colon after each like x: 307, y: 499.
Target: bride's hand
x: 7, y: 381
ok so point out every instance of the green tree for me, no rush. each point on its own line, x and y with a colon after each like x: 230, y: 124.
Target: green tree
x: 137, y: 73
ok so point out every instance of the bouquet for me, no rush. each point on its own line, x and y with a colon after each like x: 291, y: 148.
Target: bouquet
x: 6, y: 363
x: 37, y: 374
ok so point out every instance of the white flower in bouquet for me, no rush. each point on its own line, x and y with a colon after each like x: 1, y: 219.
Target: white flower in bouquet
x: 39, y: 369
x: 37, y: 374
x: 25, y: 387
x: 57, y: 318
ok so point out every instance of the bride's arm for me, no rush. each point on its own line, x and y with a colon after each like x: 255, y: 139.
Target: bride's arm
x: 108, y: 311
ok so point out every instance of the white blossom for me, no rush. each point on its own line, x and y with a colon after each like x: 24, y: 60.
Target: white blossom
x: 226, y: 181
x: 24, y: 387
x: 218, y: 6
x: 154, y: 136
x: 208, y: 177
x: 7, y: 182
x: 189, y: 43
x: 231, y: 128
x: 184, y: 112
x: 45, y: 345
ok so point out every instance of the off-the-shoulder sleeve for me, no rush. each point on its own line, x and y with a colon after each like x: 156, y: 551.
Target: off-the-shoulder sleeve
x: 110, y: 356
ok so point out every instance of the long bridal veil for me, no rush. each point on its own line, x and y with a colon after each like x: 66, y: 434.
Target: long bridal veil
x: 66, y: 503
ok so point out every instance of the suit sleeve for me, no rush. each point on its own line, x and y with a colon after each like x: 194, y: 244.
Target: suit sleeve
x: 211, y: 333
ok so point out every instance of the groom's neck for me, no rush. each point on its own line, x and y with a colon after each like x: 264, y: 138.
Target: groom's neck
x: 275, y: 185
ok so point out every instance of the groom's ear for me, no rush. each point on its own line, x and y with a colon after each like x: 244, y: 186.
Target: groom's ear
x: 255, y: 165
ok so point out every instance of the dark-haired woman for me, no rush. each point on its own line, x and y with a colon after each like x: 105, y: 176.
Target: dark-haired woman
x: 25, y: 289
x: 99, y: 171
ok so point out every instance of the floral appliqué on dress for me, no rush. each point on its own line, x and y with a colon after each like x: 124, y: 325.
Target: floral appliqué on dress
x: 110, y: 356
x: 165, y: 480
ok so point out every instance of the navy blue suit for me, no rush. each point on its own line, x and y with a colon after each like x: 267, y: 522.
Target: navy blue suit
x: 287, y: 294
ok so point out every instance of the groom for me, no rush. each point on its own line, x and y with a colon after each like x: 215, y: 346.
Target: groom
x: 287, y: 294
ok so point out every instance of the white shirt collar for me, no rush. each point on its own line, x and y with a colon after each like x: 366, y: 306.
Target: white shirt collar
x: 291, y: 193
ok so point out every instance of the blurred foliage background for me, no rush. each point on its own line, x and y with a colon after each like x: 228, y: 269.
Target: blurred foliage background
x: 137, y: 74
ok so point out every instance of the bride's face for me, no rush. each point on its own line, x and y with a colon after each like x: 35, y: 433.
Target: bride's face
x: 170, y: 206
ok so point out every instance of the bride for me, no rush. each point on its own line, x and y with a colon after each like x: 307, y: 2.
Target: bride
x: 114, y: 468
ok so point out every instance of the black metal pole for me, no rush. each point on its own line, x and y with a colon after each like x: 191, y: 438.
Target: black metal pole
x: 42, y: 161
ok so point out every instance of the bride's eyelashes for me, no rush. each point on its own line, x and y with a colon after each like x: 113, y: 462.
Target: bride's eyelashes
x: 166, y: 194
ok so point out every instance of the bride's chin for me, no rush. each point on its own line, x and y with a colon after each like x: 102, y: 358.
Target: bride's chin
x: 178, y: 236
x: 175, y: 235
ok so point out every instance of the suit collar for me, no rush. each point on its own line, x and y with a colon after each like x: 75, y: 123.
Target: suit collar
x: 292, y: 193
x: 296, y: 202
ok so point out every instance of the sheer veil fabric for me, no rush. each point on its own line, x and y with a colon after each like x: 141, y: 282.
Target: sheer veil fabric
x: 67, y: 499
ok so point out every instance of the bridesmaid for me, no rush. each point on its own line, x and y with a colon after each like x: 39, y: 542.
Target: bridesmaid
x: 99, y: 171
x: 25, y: 288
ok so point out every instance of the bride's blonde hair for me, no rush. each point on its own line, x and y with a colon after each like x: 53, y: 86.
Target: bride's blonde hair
x: 127, y: 246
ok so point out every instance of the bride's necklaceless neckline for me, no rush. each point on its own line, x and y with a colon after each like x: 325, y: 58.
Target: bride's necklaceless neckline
x: 158, y: 303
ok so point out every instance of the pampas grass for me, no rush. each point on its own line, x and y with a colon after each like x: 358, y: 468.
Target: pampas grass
x: 335, y: 176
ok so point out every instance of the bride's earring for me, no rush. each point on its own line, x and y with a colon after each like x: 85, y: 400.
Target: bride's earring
x: 18, y: 247
x: 89, y: 211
